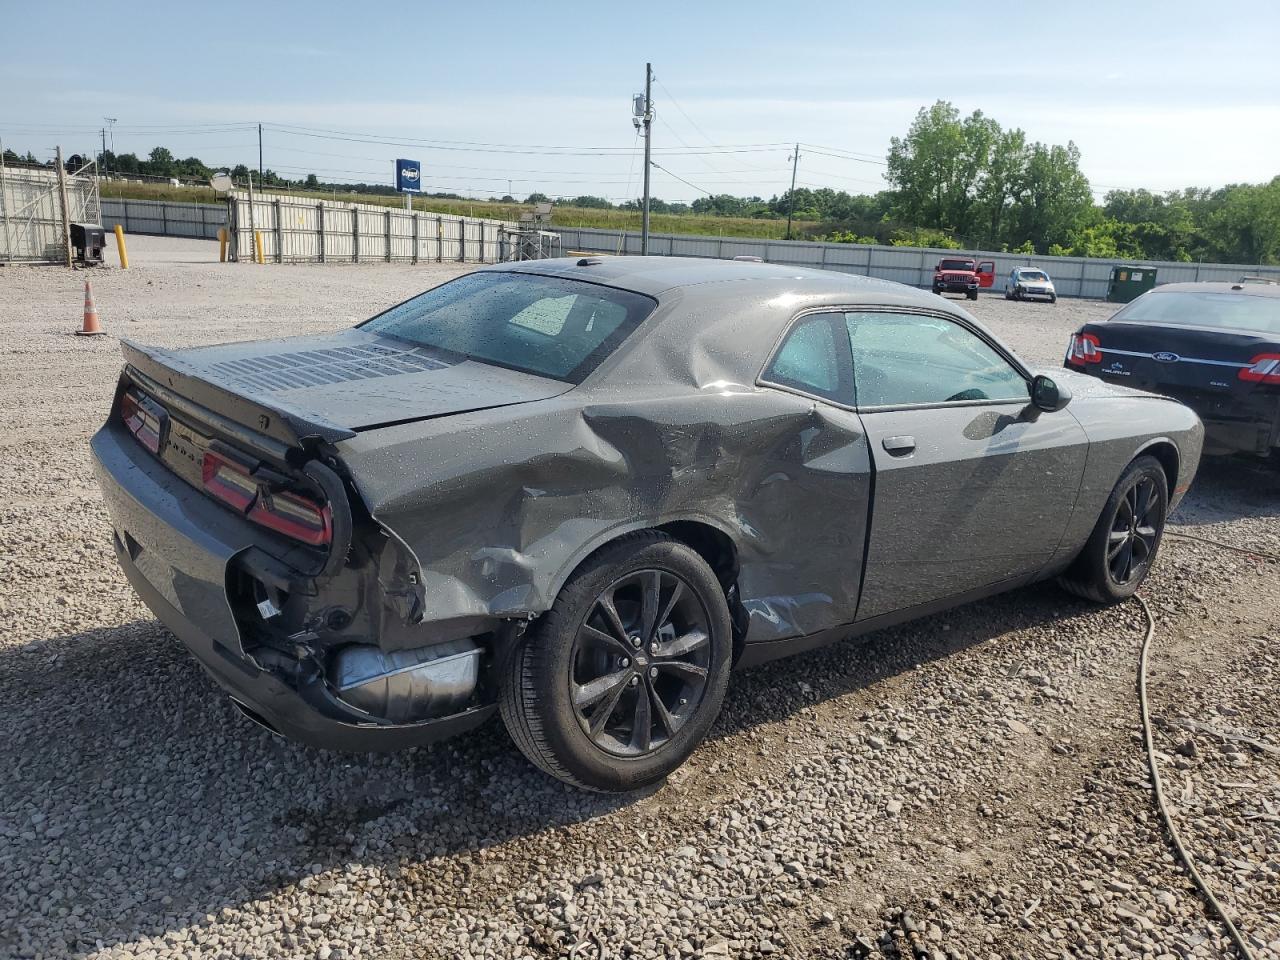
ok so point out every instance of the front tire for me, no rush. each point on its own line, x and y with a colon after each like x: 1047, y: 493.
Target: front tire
x: 619, y: 682
x: 1119, y: 553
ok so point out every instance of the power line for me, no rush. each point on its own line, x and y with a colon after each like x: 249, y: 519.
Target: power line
x: 656, y: 166
x: 852, y: 153
x: 693, y: 123
x: 841, y: 156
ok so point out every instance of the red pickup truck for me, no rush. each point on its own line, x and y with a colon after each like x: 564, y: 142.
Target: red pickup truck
x: 963, y: 275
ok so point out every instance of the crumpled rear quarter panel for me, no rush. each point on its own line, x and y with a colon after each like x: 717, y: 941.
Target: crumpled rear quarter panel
x: 500, y: 506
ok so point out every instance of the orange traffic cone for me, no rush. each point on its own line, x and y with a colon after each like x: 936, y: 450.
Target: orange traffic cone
x: 90, y: 328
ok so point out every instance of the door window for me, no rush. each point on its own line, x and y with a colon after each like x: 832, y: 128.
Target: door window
x: 812, y: 360
x: 911, y: 359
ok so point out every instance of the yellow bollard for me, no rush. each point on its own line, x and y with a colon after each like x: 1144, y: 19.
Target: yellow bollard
x: 124, y: 254
x: 257, y: 245
x: 222, y: 244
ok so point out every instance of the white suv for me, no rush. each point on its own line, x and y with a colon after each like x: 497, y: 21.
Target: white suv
x: 1026, y: 283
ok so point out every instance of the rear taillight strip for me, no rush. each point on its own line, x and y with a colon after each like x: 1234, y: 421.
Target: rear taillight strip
x: 1264, y: 368
x: 1084, y: 348
x: 143, y: 423
x: 297, y: 517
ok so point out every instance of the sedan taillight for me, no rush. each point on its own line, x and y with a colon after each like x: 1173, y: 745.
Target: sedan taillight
x: 228, y: 481
x: 296, y: 516
x: 1084, y: 348
x: 1264, y: 368
x: 142, y: 419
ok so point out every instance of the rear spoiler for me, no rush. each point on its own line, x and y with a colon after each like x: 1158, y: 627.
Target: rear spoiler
x: 170, y: 370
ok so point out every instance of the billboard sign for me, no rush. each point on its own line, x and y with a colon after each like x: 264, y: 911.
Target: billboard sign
x: 409, y: 176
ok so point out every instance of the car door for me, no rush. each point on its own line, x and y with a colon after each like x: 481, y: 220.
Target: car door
x: 804, y: 492
x: 986, y: 274
x: 973, y: 485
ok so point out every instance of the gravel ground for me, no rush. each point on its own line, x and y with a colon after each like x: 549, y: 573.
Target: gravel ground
x: 973, y: 783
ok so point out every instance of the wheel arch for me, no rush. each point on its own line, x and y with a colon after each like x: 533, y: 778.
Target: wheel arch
x: 1166, y: 453
x: 710, y: 540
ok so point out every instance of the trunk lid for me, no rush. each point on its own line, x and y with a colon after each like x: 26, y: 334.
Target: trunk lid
x: 332, y: 386
x: 1176, y: 358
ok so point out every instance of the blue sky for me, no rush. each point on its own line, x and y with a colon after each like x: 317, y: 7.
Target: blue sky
x: 1160, y: 95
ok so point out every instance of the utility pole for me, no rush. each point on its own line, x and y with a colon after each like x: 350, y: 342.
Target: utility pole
x: 259, y: 153
x: 102, y: 167
x: 791, y: 199
x: 648, y: 136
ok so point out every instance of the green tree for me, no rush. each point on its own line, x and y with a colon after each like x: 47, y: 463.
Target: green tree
x: 928, y: 168
x: 1055, y: 195
x: 1246, y: 227
x: 126, y: 163
x: 1000, y: 186
x: 160, y: 162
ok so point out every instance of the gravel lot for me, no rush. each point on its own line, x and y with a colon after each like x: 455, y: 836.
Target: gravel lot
x: 973, y: 782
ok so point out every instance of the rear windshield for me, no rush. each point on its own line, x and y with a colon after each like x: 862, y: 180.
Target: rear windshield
x: 555, y: 328
x: 1231, y: 311
x: 957, y: 265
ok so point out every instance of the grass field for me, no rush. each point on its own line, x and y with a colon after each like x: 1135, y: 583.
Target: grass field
x: 564, y: 216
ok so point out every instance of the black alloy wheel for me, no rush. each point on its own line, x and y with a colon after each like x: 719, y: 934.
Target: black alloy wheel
x: 640, y: 662
x: 1134, y: 532
x: 614, y: 686
x: 1126, y: 538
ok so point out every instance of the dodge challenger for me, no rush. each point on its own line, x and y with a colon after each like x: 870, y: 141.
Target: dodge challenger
x: 578, y: 492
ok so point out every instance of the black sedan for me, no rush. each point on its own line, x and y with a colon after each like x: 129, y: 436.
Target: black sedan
x: 576, y: 492
x: 1214, y: 346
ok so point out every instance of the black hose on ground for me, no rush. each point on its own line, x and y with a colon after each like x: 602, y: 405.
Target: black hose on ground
x: 1225, y: 546
x: 1158, y: 787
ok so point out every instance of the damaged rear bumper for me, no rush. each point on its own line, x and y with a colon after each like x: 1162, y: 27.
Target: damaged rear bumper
x: 164, y: 540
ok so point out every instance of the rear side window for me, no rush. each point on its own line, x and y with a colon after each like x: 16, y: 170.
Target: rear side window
x: 548, y: 326
x: 812, y: 359
x: 1230, y: 311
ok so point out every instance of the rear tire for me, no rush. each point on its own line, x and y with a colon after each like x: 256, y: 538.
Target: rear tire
x: 619, y: 682
x: 1120, y: 551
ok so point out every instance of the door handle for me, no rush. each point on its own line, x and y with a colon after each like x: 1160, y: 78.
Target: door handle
x: 898, y: 446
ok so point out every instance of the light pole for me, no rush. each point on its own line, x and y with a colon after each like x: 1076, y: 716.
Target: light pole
x: 109, y: 129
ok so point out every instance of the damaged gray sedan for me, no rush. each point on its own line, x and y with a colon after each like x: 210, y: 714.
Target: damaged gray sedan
x: 578, y: 492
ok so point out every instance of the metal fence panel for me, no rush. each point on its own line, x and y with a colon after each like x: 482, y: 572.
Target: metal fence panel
x: 31, y: 223
x: 165, y: 218
x: 297, y: 229
x: 1072, y: 276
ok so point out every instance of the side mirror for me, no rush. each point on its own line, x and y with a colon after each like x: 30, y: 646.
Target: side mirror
x: 1047, y: 395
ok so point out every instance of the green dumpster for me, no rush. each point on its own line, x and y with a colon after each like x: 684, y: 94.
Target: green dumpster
x: 1129, y: 283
